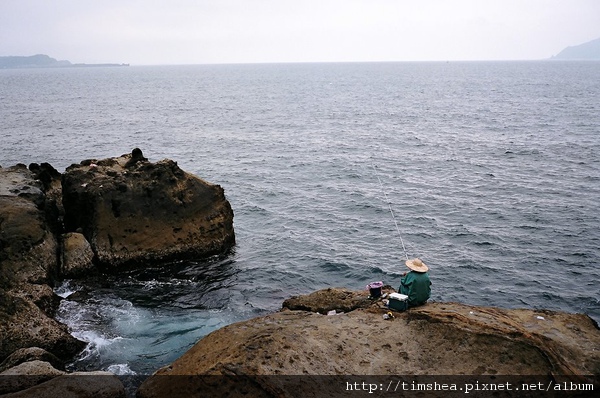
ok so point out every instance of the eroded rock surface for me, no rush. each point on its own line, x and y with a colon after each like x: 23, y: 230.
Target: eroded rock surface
x: 31, y: 354
x: 27, y: 375
x: 326, y: 300
x: 77, y: 255
x: 132, y: 211
x: 23, y: 324
x: 434, y: 339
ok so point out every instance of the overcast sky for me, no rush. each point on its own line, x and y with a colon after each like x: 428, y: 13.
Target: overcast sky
x: 148, y: 32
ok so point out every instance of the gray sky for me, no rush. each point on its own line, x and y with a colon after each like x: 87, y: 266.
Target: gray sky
x: 147, y: 32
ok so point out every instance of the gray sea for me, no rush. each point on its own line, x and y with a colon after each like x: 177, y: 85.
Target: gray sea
x: 490, y: 170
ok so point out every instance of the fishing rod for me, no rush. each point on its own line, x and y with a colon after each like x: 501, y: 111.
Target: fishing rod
x: 392, y: 212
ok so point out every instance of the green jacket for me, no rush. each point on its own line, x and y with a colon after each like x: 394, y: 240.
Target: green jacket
x: 417, y: 286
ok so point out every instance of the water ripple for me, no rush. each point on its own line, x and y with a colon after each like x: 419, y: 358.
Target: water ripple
x: 491, y: 171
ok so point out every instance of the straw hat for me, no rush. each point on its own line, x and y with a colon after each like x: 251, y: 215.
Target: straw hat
x: 417, y: 265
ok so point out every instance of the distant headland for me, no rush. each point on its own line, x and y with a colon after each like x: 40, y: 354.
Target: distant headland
x: 586, y: 51
x: 42, y: 61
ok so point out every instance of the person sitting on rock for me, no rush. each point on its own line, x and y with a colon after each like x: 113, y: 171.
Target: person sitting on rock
x: 415, y: 283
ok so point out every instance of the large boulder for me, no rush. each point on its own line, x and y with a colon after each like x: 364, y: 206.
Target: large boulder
x: 260, y: 357
x: 133, y: 211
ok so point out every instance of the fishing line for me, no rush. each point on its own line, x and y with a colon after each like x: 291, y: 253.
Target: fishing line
x: 391, y: 211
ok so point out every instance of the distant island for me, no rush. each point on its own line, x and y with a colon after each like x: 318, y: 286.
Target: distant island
x: 41, y: 61
x: 586, y: 51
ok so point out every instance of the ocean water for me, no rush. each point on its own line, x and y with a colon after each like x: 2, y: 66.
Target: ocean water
x: 491, y: 171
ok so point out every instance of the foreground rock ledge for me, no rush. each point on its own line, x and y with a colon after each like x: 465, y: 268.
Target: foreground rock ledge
x: 435, y: 339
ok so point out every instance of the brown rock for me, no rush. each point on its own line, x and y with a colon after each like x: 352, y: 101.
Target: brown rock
x: 50, y: 179
x: 434, y: 339
x: 138, y: 212
x: 28, y: 262
x: 23, y: 325
x: 76, y: 385
x: 41, y: 295
x: 77, y: 255
x: 27, y: 244
x: 26, y: 375
x: 31, y: 354
x: 323, y: 301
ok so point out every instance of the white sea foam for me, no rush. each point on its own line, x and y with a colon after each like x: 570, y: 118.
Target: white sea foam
x: 95, y: 340
x: 120, y: 369
x: 65, y: 289
x: 97, y: 343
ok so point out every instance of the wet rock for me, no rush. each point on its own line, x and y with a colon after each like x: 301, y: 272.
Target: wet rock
x: 139, y: 212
